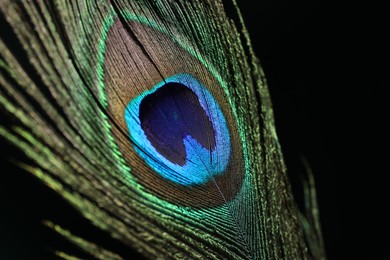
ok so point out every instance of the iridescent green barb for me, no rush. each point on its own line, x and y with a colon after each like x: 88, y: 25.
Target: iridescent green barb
x: 66, y: 87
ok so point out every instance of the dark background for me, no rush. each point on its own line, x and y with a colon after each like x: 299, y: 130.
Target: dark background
x: 324, y: 63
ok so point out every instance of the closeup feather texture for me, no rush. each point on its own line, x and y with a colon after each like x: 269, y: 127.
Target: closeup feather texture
x: 153, y: 120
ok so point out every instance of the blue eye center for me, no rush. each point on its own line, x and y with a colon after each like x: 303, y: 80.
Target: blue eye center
x: 169, y: 115
x: 179, y: 130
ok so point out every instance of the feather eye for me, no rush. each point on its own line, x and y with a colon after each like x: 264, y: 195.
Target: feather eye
x: 174, y: 111
x: 180, y: 131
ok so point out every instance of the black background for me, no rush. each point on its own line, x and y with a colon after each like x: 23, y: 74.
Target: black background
x: 324, y: 63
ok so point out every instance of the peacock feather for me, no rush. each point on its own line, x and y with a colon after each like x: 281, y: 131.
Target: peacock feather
x: 152, y: 118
